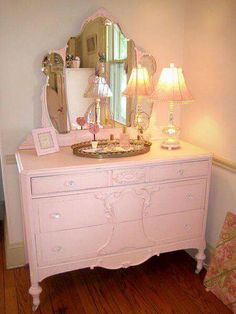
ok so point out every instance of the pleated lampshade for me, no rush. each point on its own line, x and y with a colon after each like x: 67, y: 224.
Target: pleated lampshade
x: 139, y: 83
x: 171, y: 86
x: 98, y: 89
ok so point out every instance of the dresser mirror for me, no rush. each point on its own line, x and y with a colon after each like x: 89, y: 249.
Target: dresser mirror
x: 100, y: 50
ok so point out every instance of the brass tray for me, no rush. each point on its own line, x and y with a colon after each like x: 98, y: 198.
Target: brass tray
x: 108, y: 149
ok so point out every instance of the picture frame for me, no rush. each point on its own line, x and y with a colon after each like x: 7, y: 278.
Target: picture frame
x: 91, y: 43
x: 45, y: 141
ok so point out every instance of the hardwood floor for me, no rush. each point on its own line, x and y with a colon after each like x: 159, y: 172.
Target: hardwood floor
x: 164, y: 284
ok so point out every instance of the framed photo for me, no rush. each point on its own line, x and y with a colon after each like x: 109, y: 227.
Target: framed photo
x: 92, y: 44
x: 45, y: 141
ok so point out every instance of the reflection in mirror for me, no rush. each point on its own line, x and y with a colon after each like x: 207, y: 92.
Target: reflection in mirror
x: 55, y: 92
x: 76, y: 82
x: 103, y: 47
x: 100, y: 50
x: 120, y: 59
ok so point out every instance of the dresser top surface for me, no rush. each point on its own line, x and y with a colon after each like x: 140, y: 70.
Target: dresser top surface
x: 29, y: 162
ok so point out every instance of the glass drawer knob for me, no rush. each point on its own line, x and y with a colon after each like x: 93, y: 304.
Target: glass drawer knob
x: 190, y: 196
x: 181, y: 171
x: 70, y: 183
x: 56, y: 215
x: 56, y: 248
x: 187, y: 227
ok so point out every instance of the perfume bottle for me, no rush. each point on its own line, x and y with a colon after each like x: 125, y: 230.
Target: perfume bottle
x: 112, y: 142
x: 124, y: 138
x: 139, y: 142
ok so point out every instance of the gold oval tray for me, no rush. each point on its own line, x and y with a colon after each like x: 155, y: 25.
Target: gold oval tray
x: 107, y: 150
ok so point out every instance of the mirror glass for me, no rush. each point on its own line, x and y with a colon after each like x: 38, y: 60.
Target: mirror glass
x: 87, y: 78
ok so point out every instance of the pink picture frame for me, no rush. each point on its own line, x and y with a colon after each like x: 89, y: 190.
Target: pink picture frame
x: 45, y: 141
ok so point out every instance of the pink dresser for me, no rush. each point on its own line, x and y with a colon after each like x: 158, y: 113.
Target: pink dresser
x: 111, y: 213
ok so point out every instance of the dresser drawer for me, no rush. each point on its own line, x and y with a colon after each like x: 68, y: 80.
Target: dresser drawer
x: 68, y: 212
x: 174, y: 197
x: 174, y: 227
x: 70, y: 182
x: 179, y: 171
x: 66, y: 246
x: 128, y: 176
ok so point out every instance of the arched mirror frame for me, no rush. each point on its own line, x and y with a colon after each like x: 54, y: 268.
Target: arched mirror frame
x: 140, y: 55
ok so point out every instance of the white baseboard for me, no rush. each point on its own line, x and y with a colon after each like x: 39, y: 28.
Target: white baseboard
x: 15, y: 253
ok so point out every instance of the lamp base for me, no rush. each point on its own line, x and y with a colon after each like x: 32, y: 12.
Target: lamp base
x: 170, y: 143
x: 171, y: 133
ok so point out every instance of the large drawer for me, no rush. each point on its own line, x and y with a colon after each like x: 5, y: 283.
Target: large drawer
x: 69, y: 245
x: 178, y: 171
x: 117, y: 205
x: 175, y: 227
x: 69, y: 182
x: 68, y: 212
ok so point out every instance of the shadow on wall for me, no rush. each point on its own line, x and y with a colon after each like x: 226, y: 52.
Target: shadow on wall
x: 222, y: 200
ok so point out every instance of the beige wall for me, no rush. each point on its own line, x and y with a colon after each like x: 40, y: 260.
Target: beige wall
x: 29, y: 29
x: 210, y: 66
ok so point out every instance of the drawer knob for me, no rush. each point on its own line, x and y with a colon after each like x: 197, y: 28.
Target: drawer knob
x: 70, y: 183
x: 55, y: 216
x: 187, y: 227
x: 181, y: 171
x: 190, y: 196
x: 57, y: 248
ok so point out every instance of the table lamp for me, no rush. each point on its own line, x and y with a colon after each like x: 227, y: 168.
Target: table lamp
x: 98, y: 89
x: 172, y: 88
x: 139, y: 85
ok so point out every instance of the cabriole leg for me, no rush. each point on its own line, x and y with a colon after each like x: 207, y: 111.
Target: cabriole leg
x: 35, y: 291
x: 200, y: 256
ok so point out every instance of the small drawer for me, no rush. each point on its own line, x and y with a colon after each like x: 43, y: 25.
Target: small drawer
x: 68, y: 212
x: 178, y: 171
x: 174, y: 227
x: 128, y: 176
x: 66, y: 246
x: 70, y: 182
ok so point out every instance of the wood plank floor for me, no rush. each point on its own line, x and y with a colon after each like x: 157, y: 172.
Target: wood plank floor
x: 165, y: 284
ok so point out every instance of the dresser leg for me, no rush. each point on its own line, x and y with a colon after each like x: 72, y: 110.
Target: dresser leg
x: 200, y: 256
x: 35, y: 291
